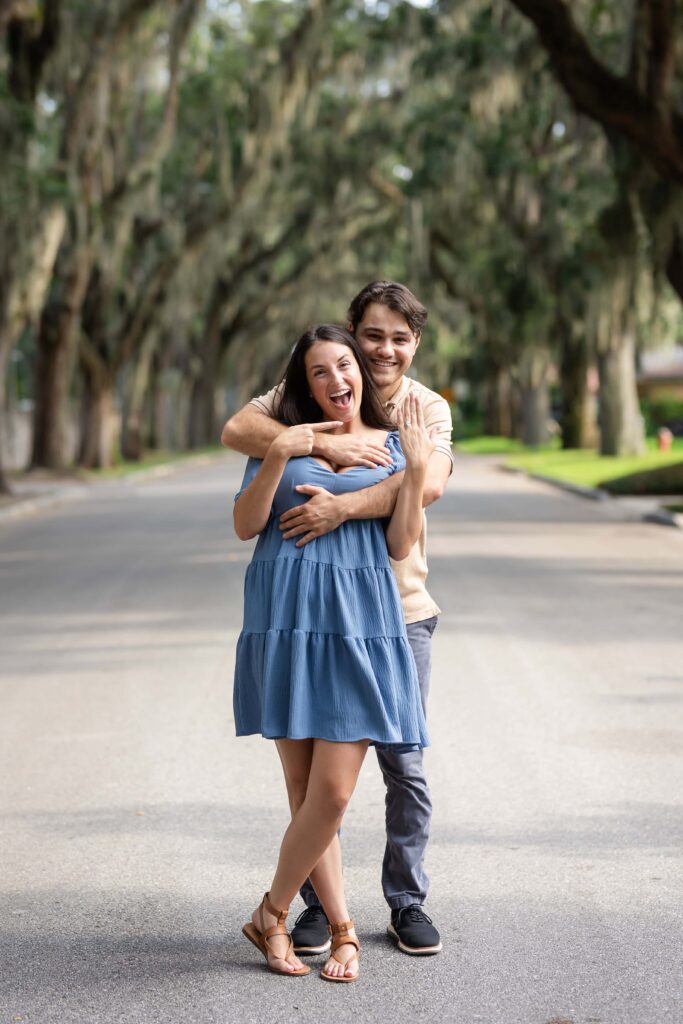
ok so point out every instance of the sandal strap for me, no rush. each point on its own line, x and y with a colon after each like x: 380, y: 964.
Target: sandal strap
x: 277, y: 929
x: 290, y: 945
x: 279, y: 914
x: 341, y: 928
x: 345, y: 963
x: 341, y: 937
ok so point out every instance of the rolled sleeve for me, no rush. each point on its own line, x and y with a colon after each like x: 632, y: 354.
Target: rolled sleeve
x: 437, y: 417
x: 268, y: 402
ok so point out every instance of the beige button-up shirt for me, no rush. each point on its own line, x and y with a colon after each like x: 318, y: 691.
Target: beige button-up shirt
x: 411, y: 572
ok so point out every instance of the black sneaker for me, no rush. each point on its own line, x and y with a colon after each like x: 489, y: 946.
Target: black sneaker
x: 309, y: 934
x: 414, y: 931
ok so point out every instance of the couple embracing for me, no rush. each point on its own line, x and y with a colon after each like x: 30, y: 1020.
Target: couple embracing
x: 335, y: 652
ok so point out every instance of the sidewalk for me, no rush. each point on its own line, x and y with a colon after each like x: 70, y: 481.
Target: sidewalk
x: 41, y: 489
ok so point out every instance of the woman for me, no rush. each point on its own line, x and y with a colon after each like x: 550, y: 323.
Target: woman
x: 323, y: 663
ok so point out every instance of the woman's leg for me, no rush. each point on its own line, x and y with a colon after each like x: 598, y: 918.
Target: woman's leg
x: 331, y: 782
x: 328, y: 881
x: 326, y: 876
x: 296, y: 757
x: 310, y: 845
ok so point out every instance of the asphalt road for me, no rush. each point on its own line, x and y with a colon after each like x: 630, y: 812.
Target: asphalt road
x: 137, y: 832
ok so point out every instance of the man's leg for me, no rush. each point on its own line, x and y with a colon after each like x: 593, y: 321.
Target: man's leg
x: 408, y: 816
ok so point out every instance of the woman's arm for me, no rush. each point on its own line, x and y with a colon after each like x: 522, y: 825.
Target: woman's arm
x: 406, y: 521
x: 252, y: 508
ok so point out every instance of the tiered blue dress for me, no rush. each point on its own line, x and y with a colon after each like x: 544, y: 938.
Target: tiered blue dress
x: 323, y: 651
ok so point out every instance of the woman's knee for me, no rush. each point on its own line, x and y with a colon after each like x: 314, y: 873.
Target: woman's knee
x: 331, y: 798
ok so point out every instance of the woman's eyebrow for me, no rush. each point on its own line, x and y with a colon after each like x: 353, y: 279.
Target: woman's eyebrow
x: 321, y: 366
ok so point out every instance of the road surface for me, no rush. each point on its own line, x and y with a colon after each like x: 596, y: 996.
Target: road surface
x: 137, y: 832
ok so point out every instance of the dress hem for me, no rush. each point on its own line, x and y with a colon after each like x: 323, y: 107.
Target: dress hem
x: 405, y: 745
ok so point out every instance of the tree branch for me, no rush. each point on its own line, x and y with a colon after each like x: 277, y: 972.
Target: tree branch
x: 614, y: 101
x: 662, y: 55
x: 30, y: 44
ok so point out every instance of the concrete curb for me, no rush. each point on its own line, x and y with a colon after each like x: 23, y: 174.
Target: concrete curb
x: 665, y: 517
x: 29, y: 506
x: 76, y: 492
x: 660, y: 516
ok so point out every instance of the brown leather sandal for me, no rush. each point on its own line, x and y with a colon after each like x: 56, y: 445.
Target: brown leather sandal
x: 260, y: 938
x: 340, y: 937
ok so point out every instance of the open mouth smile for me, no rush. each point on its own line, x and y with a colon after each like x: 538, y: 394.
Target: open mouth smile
x: 342, y: 399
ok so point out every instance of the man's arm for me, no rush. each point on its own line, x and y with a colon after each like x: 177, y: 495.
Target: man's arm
x: 324, y: 512
x: 438, y: 471
x: 251, y: 432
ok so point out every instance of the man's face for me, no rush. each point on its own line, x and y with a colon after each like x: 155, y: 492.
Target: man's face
x: 388, y: 344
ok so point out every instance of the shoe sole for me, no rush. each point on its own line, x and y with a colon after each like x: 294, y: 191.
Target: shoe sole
x: 413, y: 950
x: 313, y: 950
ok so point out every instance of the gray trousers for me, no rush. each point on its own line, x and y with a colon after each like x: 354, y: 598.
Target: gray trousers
x: 408, y: 803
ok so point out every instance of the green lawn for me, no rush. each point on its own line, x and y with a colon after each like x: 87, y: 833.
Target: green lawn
x: 486, y: 445
x: 653, y: 473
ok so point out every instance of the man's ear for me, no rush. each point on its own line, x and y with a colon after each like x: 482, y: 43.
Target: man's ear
x: 418, y: 339
x: 351, y: 329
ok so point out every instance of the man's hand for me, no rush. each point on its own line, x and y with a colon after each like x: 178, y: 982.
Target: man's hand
x: 349, y: 450
x: 321, y: 514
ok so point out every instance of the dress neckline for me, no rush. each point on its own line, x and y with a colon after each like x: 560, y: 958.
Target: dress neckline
x: 349, y: 469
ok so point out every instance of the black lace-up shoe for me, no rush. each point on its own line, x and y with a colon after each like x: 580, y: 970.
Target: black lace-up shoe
x: 309, y: 934
x: 414, y: 931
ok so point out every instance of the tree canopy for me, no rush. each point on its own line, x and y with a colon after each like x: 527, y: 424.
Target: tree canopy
x: 187, y: 184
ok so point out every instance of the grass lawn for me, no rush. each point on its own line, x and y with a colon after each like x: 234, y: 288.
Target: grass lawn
x: 486, y: 445
x: 653, y: 473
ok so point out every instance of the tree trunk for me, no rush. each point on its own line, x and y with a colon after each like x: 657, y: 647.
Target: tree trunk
x: 574, y: 386
x: 4, y: 482
x: 133, y: 432
x: 613, y: 319
x: 203, y: 429
x: 621, y: 424
x: 534, y: 397
x: 499, y: 418
x: 56, y: 348
x: 535, y: 408
x: 99, y: 422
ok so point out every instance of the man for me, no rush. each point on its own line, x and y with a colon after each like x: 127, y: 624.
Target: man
x: 387, y: 320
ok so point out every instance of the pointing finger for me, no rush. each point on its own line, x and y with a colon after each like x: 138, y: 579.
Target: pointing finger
x: 327, y: 425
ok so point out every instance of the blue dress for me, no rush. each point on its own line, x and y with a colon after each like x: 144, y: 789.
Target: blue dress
x: 323, y: 651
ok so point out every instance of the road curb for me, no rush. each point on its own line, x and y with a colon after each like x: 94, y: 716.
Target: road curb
x: 660, y: 516
x: 664, y: 517
x: 30, y: 505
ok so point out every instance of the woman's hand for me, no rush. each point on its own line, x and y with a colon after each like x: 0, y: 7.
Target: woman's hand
x: 299, y: 440
x: 416, y: 442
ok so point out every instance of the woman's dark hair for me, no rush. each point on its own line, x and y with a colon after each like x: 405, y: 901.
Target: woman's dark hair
x: 296, y: 404
x: 394, y: 296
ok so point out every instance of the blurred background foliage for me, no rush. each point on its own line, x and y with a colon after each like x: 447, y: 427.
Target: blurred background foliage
x: 186, y: 185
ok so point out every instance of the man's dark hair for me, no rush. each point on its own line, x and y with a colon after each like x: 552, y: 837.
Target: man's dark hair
x: 296, y: 404
x: 394, y: 296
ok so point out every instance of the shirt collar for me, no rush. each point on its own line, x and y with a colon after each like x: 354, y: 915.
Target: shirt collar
x: 399, y: 394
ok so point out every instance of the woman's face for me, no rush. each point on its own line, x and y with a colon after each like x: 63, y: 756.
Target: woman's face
x: 334, y: 380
